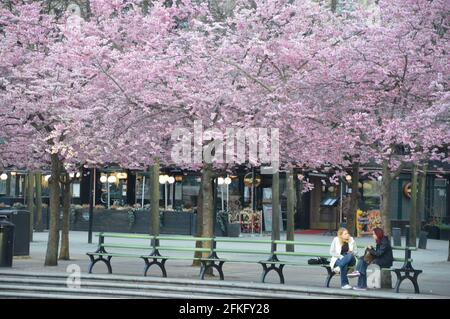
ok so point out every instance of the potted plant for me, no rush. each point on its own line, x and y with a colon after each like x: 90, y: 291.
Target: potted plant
x: 234, y: 225
x: 432, y: 228
x: 444, y: 231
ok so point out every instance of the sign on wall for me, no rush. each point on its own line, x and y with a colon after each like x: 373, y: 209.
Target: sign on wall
x: 367, y: 221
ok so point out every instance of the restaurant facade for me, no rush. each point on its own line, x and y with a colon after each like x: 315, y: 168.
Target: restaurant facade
x: 243, y: 197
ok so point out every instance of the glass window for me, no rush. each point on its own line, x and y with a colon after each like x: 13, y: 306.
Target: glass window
x: 3, y: 187
x: 190, y: 190
x: 439, y: 199
x: 371, y: 194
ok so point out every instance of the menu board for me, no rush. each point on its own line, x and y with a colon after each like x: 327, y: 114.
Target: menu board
x: 267, y: 212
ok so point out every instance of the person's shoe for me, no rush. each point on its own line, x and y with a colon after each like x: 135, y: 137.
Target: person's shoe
x: 359, y: 288
x: 347, y: 287
x: 337, y: 270
x: 353, y: 274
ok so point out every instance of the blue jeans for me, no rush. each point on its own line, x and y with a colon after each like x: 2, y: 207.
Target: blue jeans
x: 343, y: 263
x: 362, y: 268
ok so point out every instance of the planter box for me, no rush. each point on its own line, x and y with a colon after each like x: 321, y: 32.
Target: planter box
x: 433, y: 232
x: 444, y: 234
x: 177, y: 223
x: 172, y: 223
x: 233, y: 230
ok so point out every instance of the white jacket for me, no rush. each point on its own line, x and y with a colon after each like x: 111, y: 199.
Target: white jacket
x: 335, y: 250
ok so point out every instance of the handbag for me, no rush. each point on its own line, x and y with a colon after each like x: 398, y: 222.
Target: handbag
x: 368, y: 257
x: 318, y: 261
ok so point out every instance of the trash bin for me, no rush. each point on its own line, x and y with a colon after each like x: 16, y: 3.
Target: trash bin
x: 6, y: 242
x: 423, y: 239
x: 397, y: 236
x: 21, y: 220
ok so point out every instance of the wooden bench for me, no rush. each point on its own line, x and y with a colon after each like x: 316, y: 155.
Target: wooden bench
x: 271, y: 257
x: 274, y: 263
x: 238, y: 254
x: 405, y: 272
x: 152, y: 247
x: 160, y: 259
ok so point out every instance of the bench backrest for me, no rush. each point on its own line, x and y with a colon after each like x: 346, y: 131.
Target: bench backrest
x: 266, y: 247
x: 149, y: 243
x: 223, y: 246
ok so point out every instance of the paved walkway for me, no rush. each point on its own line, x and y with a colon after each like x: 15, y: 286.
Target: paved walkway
x: 433, y: 261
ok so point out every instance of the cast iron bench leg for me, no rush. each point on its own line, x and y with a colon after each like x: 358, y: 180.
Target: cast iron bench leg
x: 212, y: 264
x: 330, y: 275
x: 95, y: 260
x: 202, y: 269
x: 266, y: 270
x: 400, y: 278
x: 155, y: 261
x: 415, y: 281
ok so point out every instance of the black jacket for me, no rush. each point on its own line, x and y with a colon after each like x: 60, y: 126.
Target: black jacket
x: 383, y: 253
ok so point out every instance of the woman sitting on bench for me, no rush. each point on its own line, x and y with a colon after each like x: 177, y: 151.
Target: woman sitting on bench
x: 382, y: 254
x: 343, y: 251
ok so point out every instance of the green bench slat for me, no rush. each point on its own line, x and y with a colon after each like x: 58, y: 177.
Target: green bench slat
x: 115, y: 254
x: 131, y: 246
x: 231, y: 260
x: 183, y: 238
x: 306, y: 254
x: 236, y: 251
x: 248, y: 241
x: 182, y: 248
x: 122, y: 235
x: 172, y: 257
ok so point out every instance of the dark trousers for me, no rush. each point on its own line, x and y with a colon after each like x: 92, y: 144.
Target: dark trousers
x: 343, y: 264
x: 362, y: 268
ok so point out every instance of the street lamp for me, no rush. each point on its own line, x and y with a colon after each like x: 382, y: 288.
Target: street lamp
x: 221, y: 181
x: 4, y: 176
x: 228, y: 182
x: 164, y: 179
x: 72, y: 175
x: 171, y: 181
x: 108, y: 180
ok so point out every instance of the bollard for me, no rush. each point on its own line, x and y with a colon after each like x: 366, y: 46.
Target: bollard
x: 423, y: 239
x: 397, y: 236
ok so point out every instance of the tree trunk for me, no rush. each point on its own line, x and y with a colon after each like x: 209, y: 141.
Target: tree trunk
x: 64, y: 251
x: 38, y: 186
x: 385, y: 199
x: 276, y: 206
x: 421, y: 197
x: 413, y: 213
x: 199, y: 230
x: 208, y: 202
x: 154, y: 198
x: 354, y: 198
x: 207, y: 208
x: 290, y: 223
x: 51, y: 257
x: 30, y: 201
